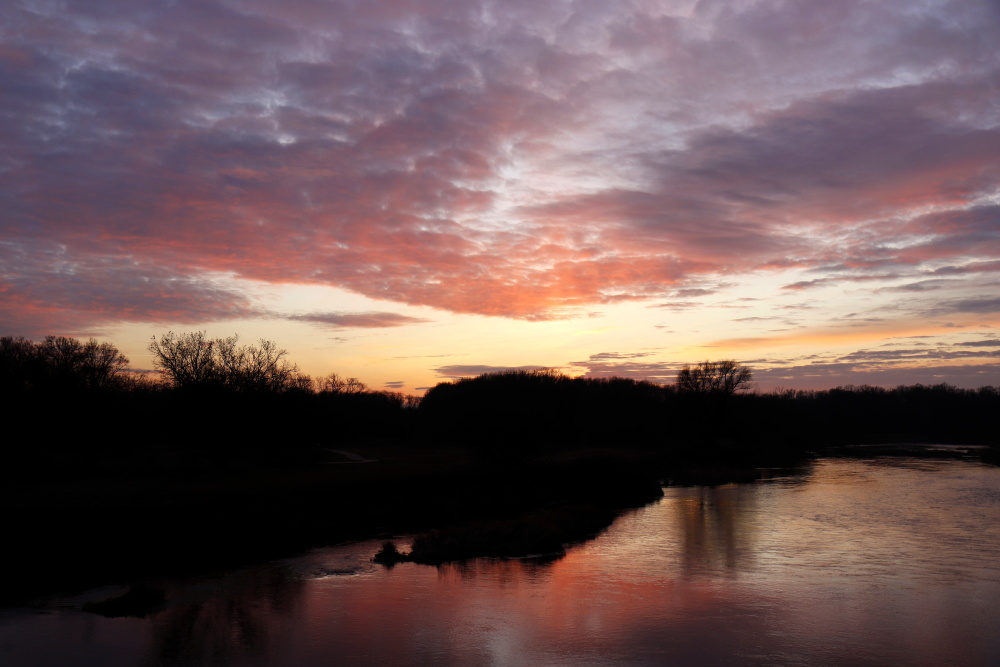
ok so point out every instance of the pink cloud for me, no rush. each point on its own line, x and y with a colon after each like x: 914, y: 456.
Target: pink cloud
x: 376, y: 150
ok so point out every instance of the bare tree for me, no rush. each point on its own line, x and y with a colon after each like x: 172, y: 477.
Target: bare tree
x: 193, y: 360
x: 715, y: 377
x: 186, y: 360
x: 90, y: 364
x: 335, y: 384
x: 249, y: 368
x: 61, y: 361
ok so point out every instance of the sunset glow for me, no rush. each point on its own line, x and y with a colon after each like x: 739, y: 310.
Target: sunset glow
x: 412, y: 192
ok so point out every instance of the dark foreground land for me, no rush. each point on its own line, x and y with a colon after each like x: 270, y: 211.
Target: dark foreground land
x: 66, y: 533
x: 196, y: 514
x: 131, y: 482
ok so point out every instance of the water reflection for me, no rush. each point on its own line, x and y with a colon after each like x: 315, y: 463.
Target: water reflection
x: 502, y: 573
x: 716, y: 526
x: 856, y: 563
x: 229, y: 620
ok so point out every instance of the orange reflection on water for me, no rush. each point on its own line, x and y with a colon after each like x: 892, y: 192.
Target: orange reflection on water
x: 852, y: 565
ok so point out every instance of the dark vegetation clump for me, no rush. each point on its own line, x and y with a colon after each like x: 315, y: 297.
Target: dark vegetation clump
x: 542, y: 533
x: 389, y: 554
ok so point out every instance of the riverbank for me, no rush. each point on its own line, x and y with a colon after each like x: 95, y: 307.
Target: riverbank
x: 200, y: 512
x: 69, y: 532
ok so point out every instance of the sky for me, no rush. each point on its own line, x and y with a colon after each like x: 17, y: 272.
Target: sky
x: 410, y: 191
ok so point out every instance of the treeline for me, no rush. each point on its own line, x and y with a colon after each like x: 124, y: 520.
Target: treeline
x: 81, y: 407
x: 864, y: 414
x: 515, y: 412
x: 60, y: 364
x: 77, y: 397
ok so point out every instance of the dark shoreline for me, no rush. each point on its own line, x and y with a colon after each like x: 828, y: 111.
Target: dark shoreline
x: 67, y: 535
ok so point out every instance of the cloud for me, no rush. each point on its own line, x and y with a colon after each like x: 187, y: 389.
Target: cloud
x: 921, y: 286
x: 695, y: 291
x: 973, y: 267
x: 461, y: 371
x: 604, y: 356
x: 677, y: 305
x: 806, y: 284
x: 985, y: 306
x: 910, y: 360
x: 938, y: 354
x: 981, y: 343
x: 367, y: 320
x: 825, y: 376
x: 524, y: 160
x: 618, y: 364
x: 46, y: 289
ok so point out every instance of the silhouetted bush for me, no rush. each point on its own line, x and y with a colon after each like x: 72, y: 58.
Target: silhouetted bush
x: 542, y: 533
x: 389, y: 554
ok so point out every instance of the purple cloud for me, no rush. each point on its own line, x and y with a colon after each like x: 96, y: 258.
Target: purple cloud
x: 981, y: 343
x: 524, y: 160
x: 369, y: 320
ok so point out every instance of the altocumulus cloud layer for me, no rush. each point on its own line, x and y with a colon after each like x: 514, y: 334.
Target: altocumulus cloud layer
x: 515, y: 158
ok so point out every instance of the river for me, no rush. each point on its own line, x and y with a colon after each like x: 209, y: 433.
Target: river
x: 846, y: 562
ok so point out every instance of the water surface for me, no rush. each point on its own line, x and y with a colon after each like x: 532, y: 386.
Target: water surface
x: 878, y: 562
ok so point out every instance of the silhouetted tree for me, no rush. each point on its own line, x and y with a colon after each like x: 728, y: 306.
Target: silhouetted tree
x: 192, y: 360
x: 60, y: 363
x: 715, y: 377
x: 335, y: 384
x: 17, y: 359
x: 89, y: 365
x: 250, y: 368
x: 67, y: 389
x: 186, y: 360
